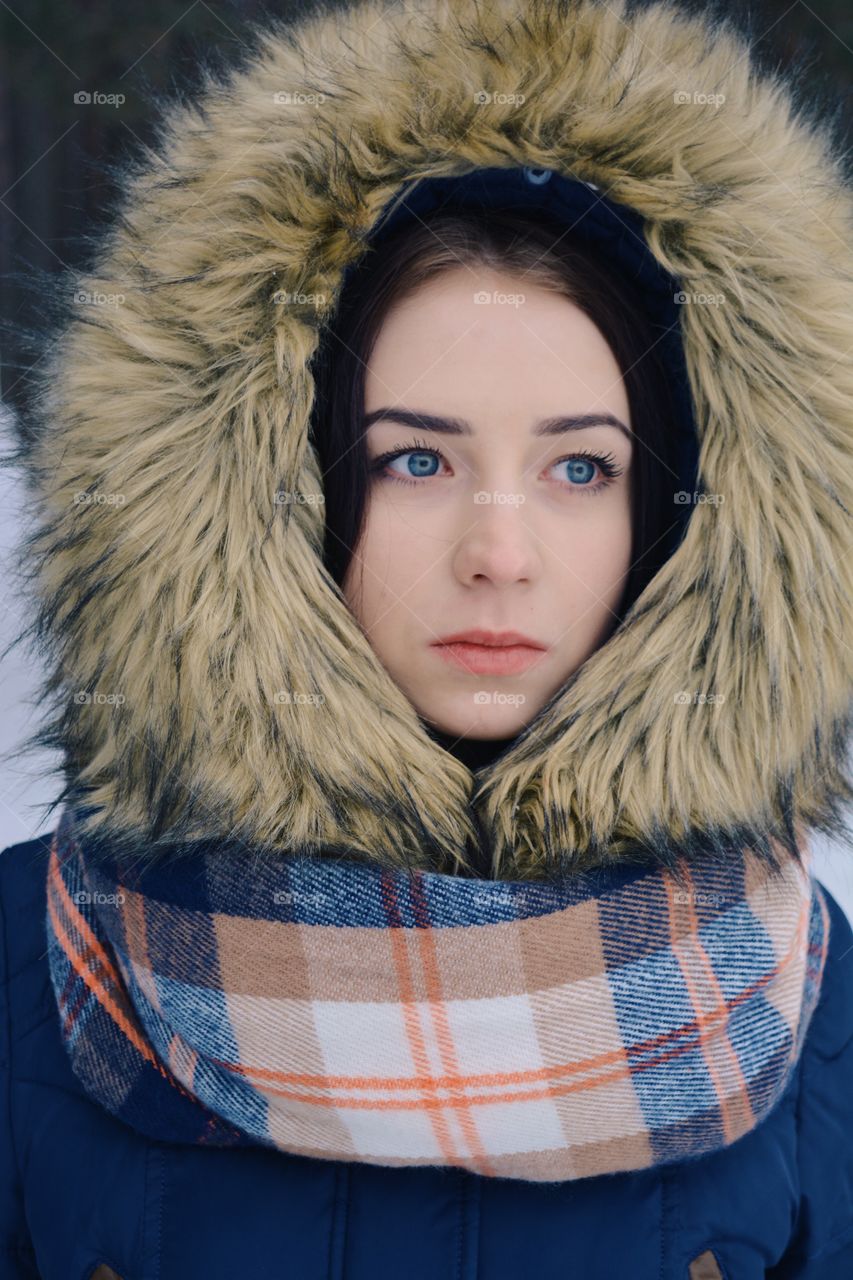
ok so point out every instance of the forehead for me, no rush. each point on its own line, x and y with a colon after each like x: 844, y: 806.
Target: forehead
x: 524, y: 353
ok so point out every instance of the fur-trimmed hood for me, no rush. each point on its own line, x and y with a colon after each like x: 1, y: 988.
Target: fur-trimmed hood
x: 176, y: 598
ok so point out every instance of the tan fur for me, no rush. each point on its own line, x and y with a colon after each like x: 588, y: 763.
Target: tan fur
x: 198, y: 599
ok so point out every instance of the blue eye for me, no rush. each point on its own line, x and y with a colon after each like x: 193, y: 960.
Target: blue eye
x: 419, y: 462
x: 582, y: 467
x: 581, y: 470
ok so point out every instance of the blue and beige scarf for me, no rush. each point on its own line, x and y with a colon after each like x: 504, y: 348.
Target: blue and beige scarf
x: 518, y: 1029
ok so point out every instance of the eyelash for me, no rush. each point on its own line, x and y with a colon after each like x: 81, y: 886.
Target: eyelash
x: 605, y: 462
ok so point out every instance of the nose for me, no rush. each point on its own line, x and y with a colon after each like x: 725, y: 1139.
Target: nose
x: 497, y: 546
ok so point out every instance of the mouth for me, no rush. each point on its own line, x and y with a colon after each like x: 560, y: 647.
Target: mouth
x: 490, y: 652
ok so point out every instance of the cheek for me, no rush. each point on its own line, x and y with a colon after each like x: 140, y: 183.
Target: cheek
x: 599, y: 552
x: 392, y: 554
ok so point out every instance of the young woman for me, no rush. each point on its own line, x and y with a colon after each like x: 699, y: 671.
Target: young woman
x: 535, y: 370
x: 442, y: 557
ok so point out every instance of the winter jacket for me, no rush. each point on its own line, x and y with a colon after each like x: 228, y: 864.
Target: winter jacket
x: 175, y: 597
x: 79, y: 1190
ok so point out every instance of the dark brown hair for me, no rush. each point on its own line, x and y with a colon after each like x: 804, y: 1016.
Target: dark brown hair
x: 540, y: 251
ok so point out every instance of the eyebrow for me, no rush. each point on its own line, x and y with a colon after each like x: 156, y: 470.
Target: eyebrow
x: 459, y: 427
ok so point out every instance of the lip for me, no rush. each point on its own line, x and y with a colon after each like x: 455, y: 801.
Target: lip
x: 490, y: 652
x: 492, y: 639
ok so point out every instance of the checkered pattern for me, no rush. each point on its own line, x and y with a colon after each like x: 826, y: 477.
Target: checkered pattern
x: 518, y: 1029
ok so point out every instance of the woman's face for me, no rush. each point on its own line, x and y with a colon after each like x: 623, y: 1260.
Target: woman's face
x: 491, y: 518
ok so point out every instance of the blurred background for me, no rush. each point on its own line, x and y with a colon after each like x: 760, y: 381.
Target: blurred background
x: 80, y: 86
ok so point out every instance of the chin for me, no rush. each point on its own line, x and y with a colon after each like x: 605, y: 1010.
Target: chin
x: 467, y: 724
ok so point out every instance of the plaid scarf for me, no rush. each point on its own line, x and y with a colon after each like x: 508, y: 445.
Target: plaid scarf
x: 518, y: 1029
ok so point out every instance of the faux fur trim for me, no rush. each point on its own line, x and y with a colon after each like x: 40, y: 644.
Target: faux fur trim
x: 198, y: 599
